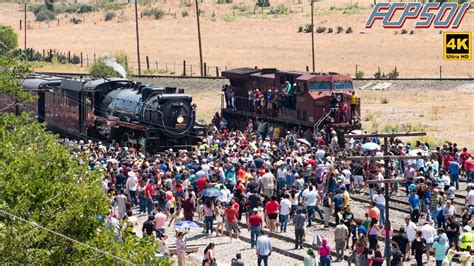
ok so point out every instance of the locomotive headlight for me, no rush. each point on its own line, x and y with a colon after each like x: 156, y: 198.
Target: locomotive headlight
x: 180, y: 119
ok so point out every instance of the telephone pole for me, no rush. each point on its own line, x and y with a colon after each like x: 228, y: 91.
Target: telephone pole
x: 25, y: 27
x: 138, y: 38
x: 386, y: 158
x: 199, y: 39
x: 312, y: 33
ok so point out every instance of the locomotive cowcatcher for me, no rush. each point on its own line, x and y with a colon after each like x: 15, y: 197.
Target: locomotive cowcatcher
x: 112, y: 110
x: 317, y: 99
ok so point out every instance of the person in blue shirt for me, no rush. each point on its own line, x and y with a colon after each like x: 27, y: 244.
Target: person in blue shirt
x: 258, y: 161
x: 338, y: 201
x: 454, y: 172
x: 414, y: 201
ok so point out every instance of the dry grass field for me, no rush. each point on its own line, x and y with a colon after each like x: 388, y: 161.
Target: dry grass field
x: 233, y: 36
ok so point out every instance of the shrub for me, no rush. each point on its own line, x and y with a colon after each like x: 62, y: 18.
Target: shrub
x: 349, y: 30
x: 321, y: 29
x: 110, y: 15
x: 308, y: 28
x: 44, y: 14
x: 156, y: 12
x: 404, y: 31
x: 300, y: 29
x: 8, y: 39
x: 330, y: 30
x: 339, y: 29
x: 360, y: 74
x: 378, y: 74
x: 394, y: 74
x: 75, y: 20
x: 353, y: 9
x: 184, y: 13
x: 384, y: 100
x: 412, y: 32
x: 228, y: 18
x: 281, y: 9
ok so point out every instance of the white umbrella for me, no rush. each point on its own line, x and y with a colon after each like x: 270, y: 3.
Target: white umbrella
x: 370, y: 146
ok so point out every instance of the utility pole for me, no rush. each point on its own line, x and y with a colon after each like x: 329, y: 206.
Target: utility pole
x: 138, y: 38
x: 199, y: 38
x: 25, y: 27
x: 312, y: 33
x: 387, y: 180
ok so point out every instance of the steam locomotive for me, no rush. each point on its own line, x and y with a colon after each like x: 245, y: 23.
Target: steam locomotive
x: 112, y: 110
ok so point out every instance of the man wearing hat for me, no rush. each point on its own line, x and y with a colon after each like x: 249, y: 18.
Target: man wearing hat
x: 255, y: 223
x: 466, y: 238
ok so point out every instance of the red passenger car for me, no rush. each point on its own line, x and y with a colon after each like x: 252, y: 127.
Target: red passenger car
x: 290, y: 98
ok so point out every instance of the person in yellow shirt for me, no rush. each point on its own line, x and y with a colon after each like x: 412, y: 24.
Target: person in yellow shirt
x: 276, y: 133
x: 346, y: 196
x: 353, y: 103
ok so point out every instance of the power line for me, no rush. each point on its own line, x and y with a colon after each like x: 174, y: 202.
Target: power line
x: 66, y: 237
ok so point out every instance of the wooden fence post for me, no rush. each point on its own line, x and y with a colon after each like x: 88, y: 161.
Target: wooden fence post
x: 217, y: 71
x: 50, y: 54
x: 184, y: 68
x: 156, y: 64
x: 147, y: 63
x: 205, y: 68
x: 69, y: 56
x: 307, y: 68
x: 81, y: 61
x: 191, y: 69
x: 44, y: 55
x: 94, y: 58
x: 166, y: 67
x: 440, y: 72
x: 357, y: 70
x: 87, y: 60
x: 21, y: 24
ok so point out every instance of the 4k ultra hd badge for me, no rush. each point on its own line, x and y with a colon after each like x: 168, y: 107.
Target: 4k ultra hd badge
x: 457, y: 46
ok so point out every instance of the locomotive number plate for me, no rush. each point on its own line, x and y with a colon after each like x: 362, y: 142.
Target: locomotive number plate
x: 180, y: 126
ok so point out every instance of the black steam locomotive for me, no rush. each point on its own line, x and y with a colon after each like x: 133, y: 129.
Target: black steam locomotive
x: 113, y: 110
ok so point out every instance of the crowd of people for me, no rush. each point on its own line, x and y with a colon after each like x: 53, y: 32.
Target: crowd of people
x: 261, y: 179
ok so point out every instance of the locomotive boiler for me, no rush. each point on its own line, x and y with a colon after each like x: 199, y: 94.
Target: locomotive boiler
x: 114, y: 110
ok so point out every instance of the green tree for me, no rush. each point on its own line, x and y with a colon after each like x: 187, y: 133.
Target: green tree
x: 8, y: 39
x: 45, y: 183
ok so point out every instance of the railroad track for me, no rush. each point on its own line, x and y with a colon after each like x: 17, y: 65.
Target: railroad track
x: 68, y: 74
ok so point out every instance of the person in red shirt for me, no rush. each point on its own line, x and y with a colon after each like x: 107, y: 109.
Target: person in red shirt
x: 449, y: 158
x: 149, y: 190
x: 231, y: 218
x: 463, y: 158
x: 201, y: 183
x: 271, y: 208
x: 255, y: 222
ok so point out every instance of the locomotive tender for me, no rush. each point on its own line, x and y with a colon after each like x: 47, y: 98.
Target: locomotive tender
x: 113, y: 110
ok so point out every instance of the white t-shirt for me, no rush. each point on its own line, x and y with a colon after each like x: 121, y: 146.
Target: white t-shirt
x: 347, y: 176
x: 310, y: 198
x: 470, y: 197
x: 379, y: 199
x: 285, y: 207
x: 428, y: 232
x: 411, y: 231
x: 282, y: 173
